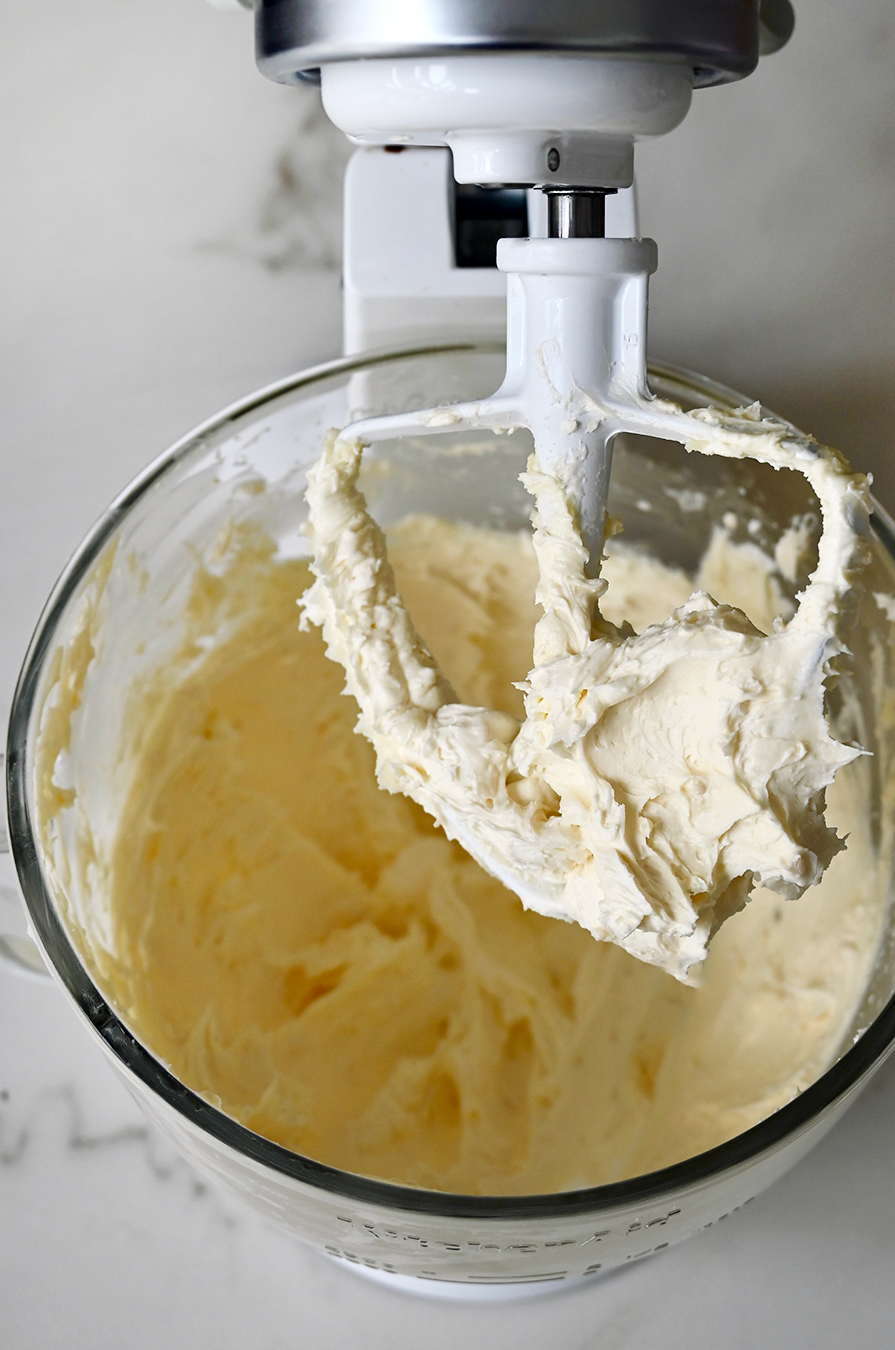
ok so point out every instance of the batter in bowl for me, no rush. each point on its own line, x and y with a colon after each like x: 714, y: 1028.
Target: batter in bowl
x: 314, y: 956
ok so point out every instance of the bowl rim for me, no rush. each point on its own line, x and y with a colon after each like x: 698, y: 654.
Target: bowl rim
x: 841, y: 1079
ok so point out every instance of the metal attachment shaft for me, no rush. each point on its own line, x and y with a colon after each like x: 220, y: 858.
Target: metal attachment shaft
x: 576, y: 213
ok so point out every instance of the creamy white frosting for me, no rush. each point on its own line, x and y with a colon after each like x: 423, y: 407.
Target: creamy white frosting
x: 314, y: 957
x: 657, y: 777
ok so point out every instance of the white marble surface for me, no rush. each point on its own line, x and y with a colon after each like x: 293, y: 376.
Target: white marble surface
x: 169, y: 242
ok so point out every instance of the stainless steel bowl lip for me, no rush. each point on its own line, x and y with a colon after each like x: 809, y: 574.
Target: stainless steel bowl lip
x: 763, y: 1139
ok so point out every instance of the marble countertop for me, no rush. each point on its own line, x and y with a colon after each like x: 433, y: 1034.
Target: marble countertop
x: 168, y: 224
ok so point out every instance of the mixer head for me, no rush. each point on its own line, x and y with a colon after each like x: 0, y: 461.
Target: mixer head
x: 554, y: 101
x: 521, y: 98
x: 494, y: 99
x: 521, y: 94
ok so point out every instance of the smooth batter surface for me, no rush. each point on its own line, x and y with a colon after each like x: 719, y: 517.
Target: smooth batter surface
x: 312, y: 954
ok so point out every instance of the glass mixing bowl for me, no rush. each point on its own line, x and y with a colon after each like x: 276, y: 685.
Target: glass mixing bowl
x: 116, y: 615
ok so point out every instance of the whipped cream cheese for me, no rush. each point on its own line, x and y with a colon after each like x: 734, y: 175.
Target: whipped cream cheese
x: 656, y: 778
x: 315, y: 957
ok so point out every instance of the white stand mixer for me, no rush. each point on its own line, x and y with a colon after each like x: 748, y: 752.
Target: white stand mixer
x: 352, y: 1218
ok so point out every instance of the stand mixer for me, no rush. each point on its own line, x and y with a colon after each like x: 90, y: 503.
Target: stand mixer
x: 420, y: 295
